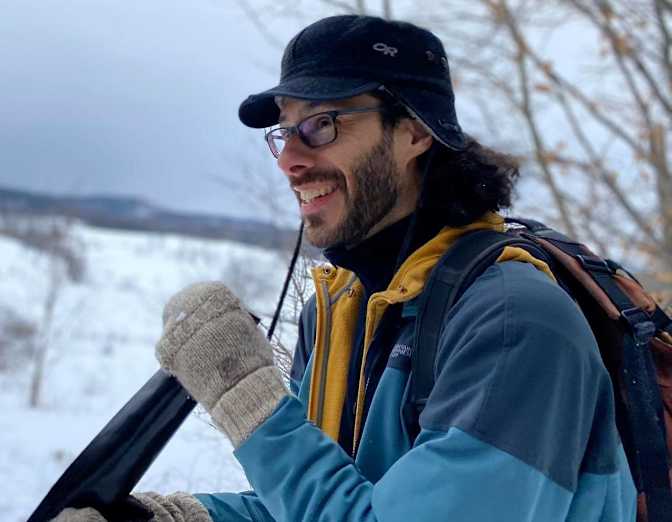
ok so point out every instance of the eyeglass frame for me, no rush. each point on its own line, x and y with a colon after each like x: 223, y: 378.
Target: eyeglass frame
x: 333, y: 114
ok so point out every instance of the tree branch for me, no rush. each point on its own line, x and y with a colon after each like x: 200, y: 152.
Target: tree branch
x: 358, y: 8
x: 664, y: 185
x: 596, y: 165
x: 570, y: 88
x: 539, y: 147
x: 387, y: 10
x: 253, y: 16
x: 620, y: 54
x: 666, y: 44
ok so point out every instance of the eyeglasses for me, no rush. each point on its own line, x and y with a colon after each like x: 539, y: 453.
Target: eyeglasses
x: 314, y: 131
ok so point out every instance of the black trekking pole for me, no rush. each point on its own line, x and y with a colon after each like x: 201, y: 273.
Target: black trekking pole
x: 105, y: 473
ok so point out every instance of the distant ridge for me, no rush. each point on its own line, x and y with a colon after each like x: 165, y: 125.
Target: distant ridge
x: 127, y: 213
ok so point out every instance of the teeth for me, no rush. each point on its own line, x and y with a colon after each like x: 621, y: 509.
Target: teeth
x: 308, y: 195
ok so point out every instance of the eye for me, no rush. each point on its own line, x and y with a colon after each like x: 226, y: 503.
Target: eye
x: 317, y: 124
x: 322, y: 121
x: 318, y: 130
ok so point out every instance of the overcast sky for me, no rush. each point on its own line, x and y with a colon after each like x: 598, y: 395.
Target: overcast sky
x: 141, y: 99
x: 135, y: 98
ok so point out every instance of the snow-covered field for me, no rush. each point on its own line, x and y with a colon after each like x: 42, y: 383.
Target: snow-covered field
x: 101, y: 350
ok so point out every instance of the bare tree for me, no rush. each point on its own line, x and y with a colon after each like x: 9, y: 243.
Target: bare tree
x: 17, y: 335
x: 53, y: 238
x: 630, y: 118
x: 603, y: 161
x: 299, y: 291
x: 593, y: 133
x: 56, y: 281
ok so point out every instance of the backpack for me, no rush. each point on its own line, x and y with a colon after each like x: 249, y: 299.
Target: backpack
x: 633, y: 334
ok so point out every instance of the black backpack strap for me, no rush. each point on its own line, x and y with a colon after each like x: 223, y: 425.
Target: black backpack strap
x: 659, y: 317
x: 459, y: 267
x: 638, y: 373
x: 661, y: 320
x: 470, y: 256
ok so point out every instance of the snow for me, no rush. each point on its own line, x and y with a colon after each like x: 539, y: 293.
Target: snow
x: 101, y: 350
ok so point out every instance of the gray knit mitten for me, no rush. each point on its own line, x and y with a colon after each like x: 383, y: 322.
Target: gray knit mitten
x: 178, y: 507
x: 79, y: 515
x: 214, y: 348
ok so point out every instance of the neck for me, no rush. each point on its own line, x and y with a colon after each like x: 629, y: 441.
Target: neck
x: 375, y: 259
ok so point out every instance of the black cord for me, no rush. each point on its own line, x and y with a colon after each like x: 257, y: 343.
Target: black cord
x: 285, y: 287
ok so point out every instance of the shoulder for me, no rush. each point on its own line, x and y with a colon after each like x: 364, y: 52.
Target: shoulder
x: 516, y: 329
x: 514, y: 315
x: 513, y: 301
x: 518, y: 367
x: 519, y: 283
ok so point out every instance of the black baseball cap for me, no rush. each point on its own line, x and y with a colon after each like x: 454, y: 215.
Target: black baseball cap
x: 344, y: 56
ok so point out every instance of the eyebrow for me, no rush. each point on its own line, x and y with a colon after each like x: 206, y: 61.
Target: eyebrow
x: 311, y: 105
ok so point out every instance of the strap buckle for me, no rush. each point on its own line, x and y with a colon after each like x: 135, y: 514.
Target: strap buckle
x: 594, y: 264
x: 642, y: 327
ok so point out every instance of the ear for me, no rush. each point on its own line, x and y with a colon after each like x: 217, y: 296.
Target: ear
x: 416, y: 139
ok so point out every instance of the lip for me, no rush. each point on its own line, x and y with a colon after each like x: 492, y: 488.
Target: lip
x: 313, y: 186
x: 318, y: 203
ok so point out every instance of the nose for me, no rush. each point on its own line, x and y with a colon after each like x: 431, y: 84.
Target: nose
x: 295, y: 158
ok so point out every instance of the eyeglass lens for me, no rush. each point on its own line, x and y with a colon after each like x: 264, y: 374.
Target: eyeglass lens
x: 314, y: 131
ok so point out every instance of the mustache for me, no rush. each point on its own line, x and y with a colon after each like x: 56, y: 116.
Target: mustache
x: 314, y: 175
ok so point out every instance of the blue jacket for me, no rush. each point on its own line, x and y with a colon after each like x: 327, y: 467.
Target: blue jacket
x: 519, y: 425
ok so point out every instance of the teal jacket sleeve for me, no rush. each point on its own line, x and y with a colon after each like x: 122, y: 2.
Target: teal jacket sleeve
x: 519, y: 426
x: 235, y: 507
x: 246, y: 506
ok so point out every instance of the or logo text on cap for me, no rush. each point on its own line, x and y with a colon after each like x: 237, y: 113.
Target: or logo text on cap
x: 385, y: 49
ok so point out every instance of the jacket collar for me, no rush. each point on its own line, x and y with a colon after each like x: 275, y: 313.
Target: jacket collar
x: 338, y: 298
x: 374, y: 259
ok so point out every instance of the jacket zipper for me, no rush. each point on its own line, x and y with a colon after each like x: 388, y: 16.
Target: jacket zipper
x: 325, y: 355
x: 355, y: 441
x: 374, y: 362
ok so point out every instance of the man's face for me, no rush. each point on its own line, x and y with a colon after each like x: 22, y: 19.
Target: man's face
x: 350, y: 188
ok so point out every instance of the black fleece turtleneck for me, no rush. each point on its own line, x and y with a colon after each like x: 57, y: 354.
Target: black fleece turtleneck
x: 374, y: 259
x: 374, y: 262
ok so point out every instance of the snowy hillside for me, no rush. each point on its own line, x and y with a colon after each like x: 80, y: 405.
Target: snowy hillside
x: 100, y: 351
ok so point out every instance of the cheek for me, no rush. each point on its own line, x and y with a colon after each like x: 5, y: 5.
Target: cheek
x: 349, y: 185
x: 350, y: 178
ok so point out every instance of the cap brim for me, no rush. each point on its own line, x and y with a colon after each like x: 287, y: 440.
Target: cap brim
x: 436, y: 110
x: 260, y: 110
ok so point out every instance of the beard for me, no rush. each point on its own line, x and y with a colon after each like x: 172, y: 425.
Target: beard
x: 374, y: 194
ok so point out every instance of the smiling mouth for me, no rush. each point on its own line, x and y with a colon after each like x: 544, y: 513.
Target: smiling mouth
x: 308, y: 196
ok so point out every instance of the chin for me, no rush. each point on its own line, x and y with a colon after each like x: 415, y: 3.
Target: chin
x: 318, y: 239
x: 319, y: 235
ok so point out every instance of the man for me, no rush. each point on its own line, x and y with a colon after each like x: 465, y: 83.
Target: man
x: 520, y: 422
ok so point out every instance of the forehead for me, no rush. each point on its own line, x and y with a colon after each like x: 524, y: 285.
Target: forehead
x: 295, y: 108
x: 294, y: 105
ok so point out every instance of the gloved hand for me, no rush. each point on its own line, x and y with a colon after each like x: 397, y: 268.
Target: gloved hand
x: 79, y: 515
x: 213, y: 347
x: 178, y: 507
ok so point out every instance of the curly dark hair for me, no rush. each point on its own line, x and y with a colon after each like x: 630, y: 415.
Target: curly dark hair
x: 463, y: 185
x: 460, y: 186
